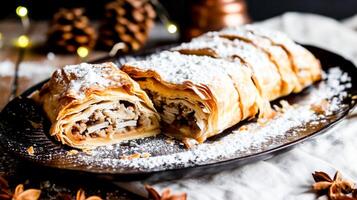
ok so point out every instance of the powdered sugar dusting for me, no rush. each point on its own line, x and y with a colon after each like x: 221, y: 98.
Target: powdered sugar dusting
x: 84, y: 76
x: 236, y: 142
x: 176, y: 68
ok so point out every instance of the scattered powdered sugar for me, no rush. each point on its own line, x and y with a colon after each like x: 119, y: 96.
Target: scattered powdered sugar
x: 236, y: 142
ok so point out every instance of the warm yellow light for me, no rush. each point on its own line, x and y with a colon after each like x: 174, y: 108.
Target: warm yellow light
x: 171, y: 28
x: 21, y: 11
x: 0, y: 36
x: 23, y: 41
x: 82, y: 52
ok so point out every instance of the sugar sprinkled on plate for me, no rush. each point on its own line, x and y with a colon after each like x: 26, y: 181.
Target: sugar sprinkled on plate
x: 237, y: 142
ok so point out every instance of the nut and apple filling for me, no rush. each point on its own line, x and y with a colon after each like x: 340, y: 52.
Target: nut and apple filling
x: 108, y: 118
x: 179, y: 116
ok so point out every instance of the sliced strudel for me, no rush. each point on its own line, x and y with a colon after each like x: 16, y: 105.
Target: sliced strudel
x: 198, y: 96
x: 91, y: 105
x: 262, y: 50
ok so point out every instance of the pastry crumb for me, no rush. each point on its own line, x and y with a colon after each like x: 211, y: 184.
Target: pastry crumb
x: 262, y: 121
x: 320, y: 107
x: 285, y: 106
x: 35, y: 124
x: 170, y: 141
x: 243, y: 128
x: 145, y: 155
x: 131, y: 156
x: 72, y: 152
x: 31, y: 151
x: 189, y: 143
x: 87, y: 151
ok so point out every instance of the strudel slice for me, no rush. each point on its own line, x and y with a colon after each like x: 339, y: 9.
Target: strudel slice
x: 198, y: 96
x: 297, y: 67
x: 265, y: 74
x: 305, y: 65
x: 91, y: 105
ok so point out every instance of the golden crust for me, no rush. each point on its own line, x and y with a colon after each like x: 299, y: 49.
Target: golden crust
x: 218, y: 104
x: 69, y: 95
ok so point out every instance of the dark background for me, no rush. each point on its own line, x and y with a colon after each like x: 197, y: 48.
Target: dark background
x: 258, y: 9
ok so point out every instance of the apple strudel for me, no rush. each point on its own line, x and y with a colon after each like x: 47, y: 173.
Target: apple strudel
x: 91, y: 105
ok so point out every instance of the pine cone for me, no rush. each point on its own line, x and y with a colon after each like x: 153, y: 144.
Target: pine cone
x: 127, y: 21
x: 69, y: 30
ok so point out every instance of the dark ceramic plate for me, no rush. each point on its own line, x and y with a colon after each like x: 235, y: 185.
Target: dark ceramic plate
x: 22, y: 125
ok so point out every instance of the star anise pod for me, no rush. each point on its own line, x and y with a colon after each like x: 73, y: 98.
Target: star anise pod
x: 82, y: 196
x: 165, y: 195
x: 29, y: 194
x: 335, y: 188
x: 4, y: 189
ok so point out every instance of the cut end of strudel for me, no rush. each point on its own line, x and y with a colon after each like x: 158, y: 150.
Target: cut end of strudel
x: 91, y: 105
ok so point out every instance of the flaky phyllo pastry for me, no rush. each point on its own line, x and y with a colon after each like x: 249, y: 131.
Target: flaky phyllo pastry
x: 198, y: 96
x: 91, y: 105
x: 205, y: 86
x: 279, y: 65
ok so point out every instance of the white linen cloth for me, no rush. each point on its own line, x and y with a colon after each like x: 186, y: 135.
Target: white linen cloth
x: 288, y: 175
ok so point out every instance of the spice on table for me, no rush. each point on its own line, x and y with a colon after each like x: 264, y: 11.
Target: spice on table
x: 82, y: 196
x: 336, y: 188
x: 29, y: 194
x: 165, y: 195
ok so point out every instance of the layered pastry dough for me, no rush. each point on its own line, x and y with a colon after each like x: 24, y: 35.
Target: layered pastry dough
x: 265, y: 74
x: 296, y: 66
x: 91, y: 105
x: 205, y: 86
x: 198, y: 89
x: 198, y: 96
